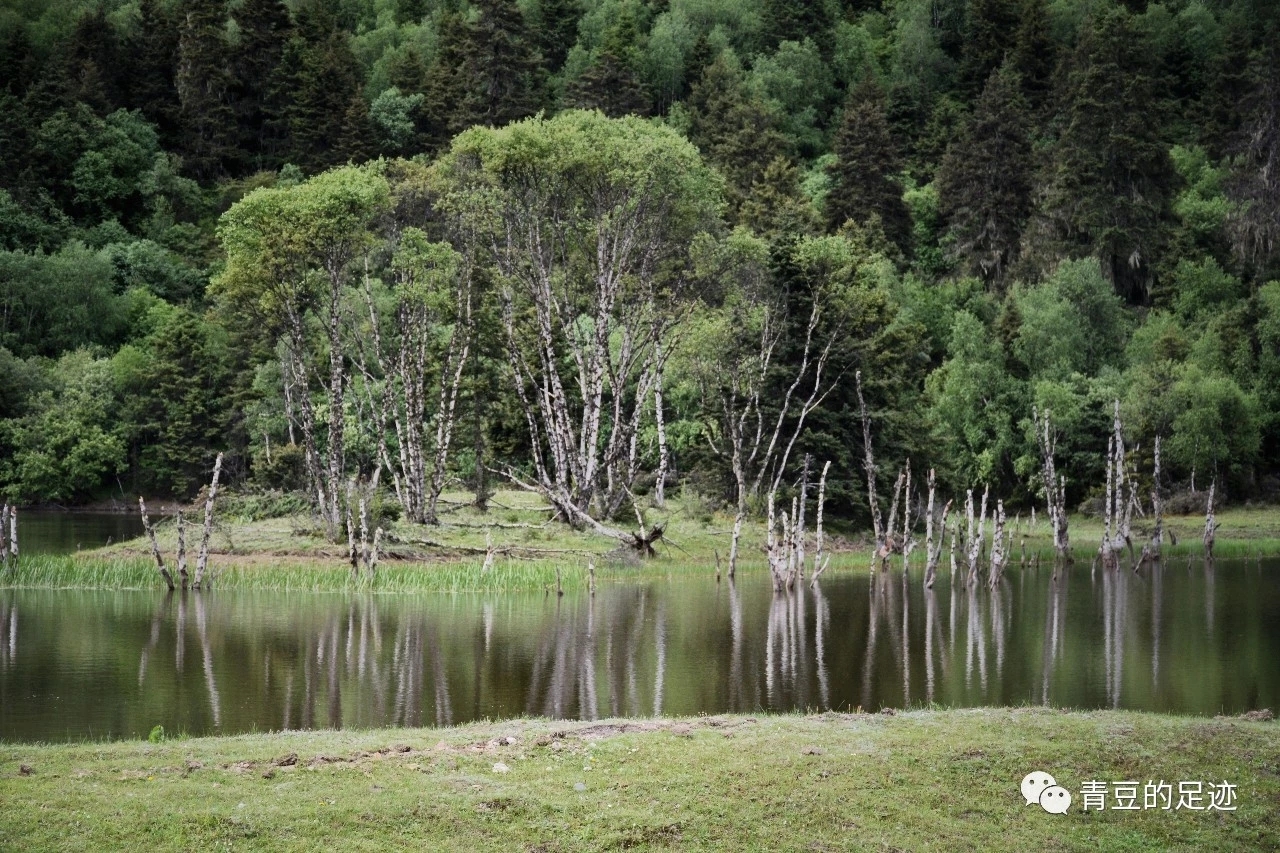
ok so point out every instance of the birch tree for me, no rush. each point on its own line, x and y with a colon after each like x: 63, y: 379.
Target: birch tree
x: 586, y: 222
x: 290, y: 253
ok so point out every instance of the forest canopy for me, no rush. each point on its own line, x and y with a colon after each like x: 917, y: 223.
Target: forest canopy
x: 613, y: 248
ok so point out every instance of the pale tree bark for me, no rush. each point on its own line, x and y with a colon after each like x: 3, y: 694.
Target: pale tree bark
x: 758, y: 445
x: 155, y: 546
x: 660, y: 421
x: 975, y: 539
x: 1211, y: 525
x: 202, y: 558
x: 1055, y: 487
x: 934, y: 553
x: 182, y: 550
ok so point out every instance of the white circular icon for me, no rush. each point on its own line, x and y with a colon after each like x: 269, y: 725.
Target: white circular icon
x: 1055, y: 799
x: 1034, y: 783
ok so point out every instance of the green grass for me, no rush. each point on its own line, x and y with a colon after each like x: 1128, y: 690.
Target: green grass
x: 923, y: 780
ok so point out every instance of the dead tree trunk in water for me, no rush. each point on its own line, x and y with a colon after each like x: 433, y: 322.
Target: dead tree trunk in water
x: 820, y: 564
x: 13, y: 532
x: 1210, y: 524
x: 869, y: 466
x: 1055, y: 487
x: 975, y: 541
x: 999, y: 551
x: 202, y: 559
x: 932, y: 553
x: 155, y: 546
x: 182, y: 549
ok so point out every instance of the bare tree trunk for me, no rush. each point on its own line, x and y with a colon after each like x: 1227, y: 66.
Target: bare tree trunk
x: 1210, y: 524
x: 660, y: 420
x: 1055, y: 487
x: 999, y: 553
x: 869, y: 466
x: 819, y: 563
x: 155, y: 546
x: 202, y: 559
x: 13, y: 532
x: 182, y: 549
x: 975, y: 542
x: 1157, y: 502
x: 934, y: 553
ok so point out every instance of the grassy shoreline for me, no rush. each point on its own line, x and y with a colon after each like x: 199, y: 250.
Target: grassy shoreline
x: 288, y: 554
x: 917, y: 780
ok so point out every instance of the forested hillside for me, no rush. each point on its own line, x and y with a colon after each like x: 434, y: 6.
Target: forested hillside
x: 610, y: 248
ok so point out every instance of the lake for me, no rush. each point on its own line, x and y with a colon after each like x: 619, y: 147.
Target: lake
x: 45, y: 531
x: 1182, y: 638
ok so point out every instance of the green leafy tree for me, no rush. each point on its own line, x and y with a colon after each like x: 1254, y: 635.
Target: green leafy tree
x: 63, y: 448
x: 174, y: 413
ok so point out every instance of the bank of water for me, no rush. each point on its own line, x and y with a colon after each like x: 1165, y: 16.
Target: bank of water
x: 1182, y: 638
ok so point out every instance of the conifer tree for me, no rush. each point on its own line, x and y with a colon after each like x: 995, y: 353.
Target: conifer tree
x: 776, y: 207
x: 152, y: 51
x: 446, y: 81
x: 92, y: 62
x: 1111, y: 177
x: 984, y: 184
x: 265, y: 28
x: 864, y: 177
x: 356, y: 143
x: 208, y: 123
x: 794, y: 20
x: 609, y: 83
x: 1033, y: 54
x: 500, y: 67
x: 557, y: 30
x: 324, y: 78
x: 1255, y: 182
x: 989, y: 30
x: 732, y: 127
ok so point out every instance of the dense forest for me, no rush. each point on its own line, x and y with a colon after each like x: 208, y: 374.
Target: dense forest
x: 611, y: 248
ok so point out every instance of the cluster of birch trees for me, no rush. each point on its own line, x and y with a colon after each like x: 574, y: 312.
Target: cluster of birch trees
x: 594, y: 250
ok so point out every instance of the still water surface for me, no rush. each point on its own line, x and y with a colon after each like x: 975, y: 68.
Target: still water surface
x: 1182, y: 638
x: 44, y: 531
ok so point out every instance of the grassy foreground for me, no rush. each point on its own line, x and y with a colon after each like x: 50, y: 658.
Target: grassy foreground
x: 924, y: 780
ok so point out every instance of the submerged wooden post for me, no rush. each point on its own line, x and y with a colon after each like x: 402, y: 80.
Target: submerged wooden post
x: 155, y: 546
x: 202, y: 559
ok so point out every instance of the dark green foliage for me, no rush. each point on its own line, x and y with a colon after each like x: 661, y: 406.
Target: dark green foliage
x: 1111, y: 180
x: 203, y: 83
x: 265, y: 29
x: 990, y: 27
x: 172, y: 389
x: 864, y: 178
x: 557, y: 30
x: 984, y: 185
x: 500, y: 68
x: 610, y: 84
x: 732, y: 127
x: 322, y: 78
x: 1003, y: 176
